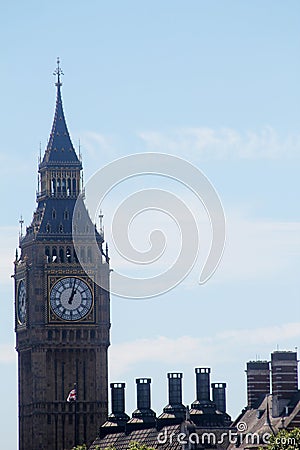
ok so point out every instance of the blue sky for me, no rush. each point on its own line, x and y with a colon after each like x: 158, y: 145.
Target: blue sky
x: 215, y: 82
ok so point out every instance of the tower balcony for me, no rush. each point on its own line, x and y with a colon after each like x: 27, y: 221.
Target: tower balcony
x: 46, y: 194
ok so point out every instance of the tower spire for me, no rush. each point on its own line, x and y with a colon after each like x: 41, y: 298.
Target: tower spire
x: 60, y: 150
x: 58, y: 72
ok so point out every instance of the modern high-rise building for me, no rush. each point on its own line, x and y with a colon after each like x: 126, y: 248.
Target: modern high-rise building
x: 258, y: 381
x: 62, y: 316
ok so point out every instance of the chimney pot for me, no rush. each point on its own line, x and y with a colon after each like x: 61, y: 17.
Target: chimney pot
x: 143, y: 393
x: 203, y: 383
x: 219, y: 396
x: 117, y: 398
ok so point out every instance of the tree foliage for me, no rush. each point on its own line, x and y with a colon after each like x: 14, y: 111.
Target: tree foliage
x: 137, y: 446
x: 285, y: 440
x: 132, y: 446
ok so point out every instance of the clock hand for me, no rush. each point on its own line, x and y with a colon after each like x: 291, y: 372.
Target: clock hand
x: 72, y: 294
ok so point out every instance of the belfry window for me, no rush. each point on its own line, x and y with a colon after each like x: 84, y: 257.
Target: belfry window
x: 61, y: 255
x: 58, y: 186
x: 82, y: 254
x: 75, y: 256
x: 47, y: 253
x: 68, y: 255
x: 53, y: 214
x: 69, y: 187
x: 64, y: 186
x: 54, y: 254
x: 74, y: 186
x: 53, y: 186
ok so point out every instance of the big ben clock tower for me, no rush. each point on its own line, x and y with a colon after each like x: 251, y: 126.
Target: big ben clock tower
x: 62, y: 316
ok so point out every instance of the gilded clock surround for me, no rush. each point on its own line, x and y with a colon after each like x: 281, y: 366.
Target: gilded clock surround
x: 52, y: 317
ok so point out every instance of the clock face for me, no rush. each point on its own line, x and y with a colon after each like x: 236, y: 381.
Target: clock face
x: 21, y: 302
x: 71, y: 298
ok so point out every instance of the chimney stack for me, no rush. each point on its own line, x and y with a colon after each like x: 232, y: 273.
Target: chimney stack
x: 175, y: 388
x: 203, y: 383
x: 219, y: 396
x: 116, y: 421
x: 284, y: 367
x: 143, y: 393
x: 258, y: 381
x: 175, y: 411
x: 118, y: 402
x: 143, y: 413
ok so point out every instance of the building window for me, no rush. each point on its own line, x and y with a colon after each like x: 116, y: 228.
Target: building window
x: 61, y: 255
x: 54, y: 254
x: 47, y: 253
x: 75, y: 255
x: 68, y: 255
x: 69, y: 187
x: 53, y: 186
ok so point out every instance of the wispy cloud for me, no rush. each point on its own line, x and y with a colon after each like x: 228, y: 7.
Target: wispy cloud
x: 223, y: 143
x: 222, y: 347
x: 8, y: 241
x: 256, y: 249
x: 7, y: 354
x: 100, y: 147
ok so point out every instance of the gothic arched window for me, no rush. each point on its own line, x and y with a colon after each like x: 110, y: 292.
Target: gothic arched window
x: 61, y: 255
x: 47, y: 253
x: 54, y: 254
x: 68, y: 255
x: 58, y: 186
x: 74, y: 186
x: 53, y: 186
x: 69, y: 186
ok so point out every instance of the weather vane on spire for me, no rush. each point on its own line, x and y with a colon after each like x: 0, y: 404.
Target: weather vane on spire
x: 58, y: 72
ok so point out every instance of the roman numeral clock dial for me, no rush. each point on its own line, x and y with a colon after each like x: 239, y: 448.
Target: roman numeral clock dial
x: 21, y: 303
x: 71, y: 299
